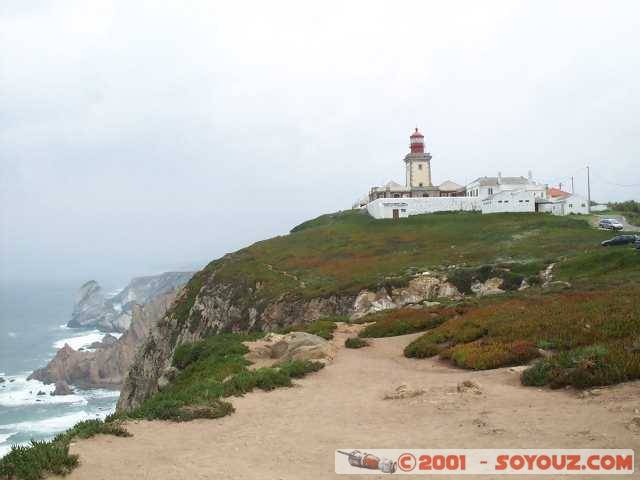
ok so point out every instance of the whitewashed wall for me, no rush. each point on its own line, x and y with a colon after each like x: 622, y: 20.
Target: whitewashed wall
x: 514, y: 201
x: 576, y: 204
x: 383, y: 207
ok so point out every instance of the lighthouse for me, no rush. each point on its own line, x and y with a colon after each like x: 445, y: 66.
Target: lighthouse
x: 418, y: 165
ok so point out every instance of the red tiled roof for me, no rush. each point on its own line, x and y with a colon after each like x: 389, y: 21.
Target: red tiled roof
x: 556, y: 192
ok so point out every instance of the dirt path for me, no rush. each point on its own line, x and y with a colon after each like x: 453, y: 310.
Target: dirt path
x: 292, y: 433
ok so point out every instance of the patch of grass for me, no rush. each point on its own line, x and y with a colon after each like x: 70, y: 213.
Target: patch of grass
x: 323, y: 327
x: 355, y: 342
x: 592, y: 333
x: 211, y: 370
x: 402, y: 321
x: 585, y: 367
x: 41, y: 458
x: 479, y: 355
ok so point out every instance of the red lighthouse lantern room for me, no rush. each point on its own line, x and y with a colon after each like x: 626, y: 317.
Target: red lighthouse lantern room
x: 417, y: 142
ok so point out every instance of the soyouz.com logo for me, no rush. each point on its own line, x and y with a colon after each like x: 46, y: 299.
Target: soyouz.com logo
x: 485, y: 461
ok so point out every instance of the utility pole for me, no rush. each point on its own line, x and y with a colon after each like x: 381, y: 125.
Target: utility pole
x: 572, y: 188
x: 588, y: 191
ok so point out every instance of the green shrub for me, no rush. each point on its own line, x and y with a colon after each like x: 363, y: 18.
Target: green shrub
x: 35, y: 461
x: 402, y: 321
x: 355, y: 342
x: 421, y: 348
x: 481, y: 355
x: 31, y: 462
x: 323, y: 327
x: 585, y: 367
x: 212, y: 369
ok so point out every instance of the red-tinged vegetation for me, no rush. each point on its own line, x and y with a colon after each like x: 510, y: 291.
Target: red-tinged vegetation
x: 592, y: 335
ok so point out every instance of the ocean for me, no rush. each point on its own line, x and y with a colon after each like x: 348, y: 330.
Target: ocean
x: 32, y: 327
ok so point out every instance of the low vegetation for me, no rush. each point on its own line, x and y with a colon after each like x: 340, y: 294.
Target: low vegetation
x: 211, y: 370
x: 343, y: 253
x: 402, y: 321
x: 591, y: 337
x: 355, y: 342
x: 40, y: 458
x: 512, y: 275
x: 323, y: 327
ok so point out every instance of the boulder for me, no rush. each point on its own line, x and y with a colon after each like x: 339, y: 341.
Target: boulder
x: 489, y: 287
x: 62, y: 388
x: 469, y: 386
x: 292, y: 346
x: 402, y: 392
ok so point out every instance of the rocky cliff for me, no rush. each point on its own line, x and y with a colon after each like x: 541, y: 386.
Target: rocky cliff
x: 106, y: 366
x: 113, y: 314
x: 209, y: 305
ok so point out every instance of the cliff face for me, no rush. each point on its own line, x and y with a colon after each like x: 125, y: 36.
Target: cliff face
x: 107, y: 365
x: 94, y: 309
x: 207, y: 306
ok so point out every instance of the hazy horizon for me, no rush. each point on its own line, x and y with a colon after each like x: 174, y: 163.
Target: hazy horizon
x: 144, y: 136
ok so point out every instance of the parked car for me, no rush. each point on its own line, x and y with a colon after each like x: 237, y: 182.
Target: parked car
x: 622, y: 240
x: 610, y: 224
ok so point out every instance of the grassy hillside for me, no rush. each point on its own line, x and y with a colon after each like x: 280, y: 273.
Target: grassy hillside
x: 348, y: 251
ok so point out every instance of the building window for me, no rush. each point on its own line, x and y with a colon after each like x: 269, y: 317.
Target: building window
x: 526, y: 201
x: 520, y: 201
x: 420, y: 184
x: 425, y: 194
x: 583, y: 205
x: 499, y: 201
x: 506, y: 201
x: 419, y: 166
x: 396, y: 195
x: 490, y: 191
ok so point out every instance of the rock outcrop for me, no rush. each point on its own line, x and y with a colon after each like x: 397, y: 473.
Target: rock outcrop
x: 421, y: 289
x: 107, y: 365
x: 291, y: 346
x: 89, y: 305
x: 94, y: 309
x: 62, y: 388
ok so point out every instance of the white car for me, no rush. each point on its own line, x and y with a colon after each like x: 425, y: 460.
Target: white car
x: 610, y: 224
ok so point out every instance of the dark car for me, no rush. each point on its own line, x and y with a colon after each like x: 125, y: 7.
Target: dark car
x: 621, y: 240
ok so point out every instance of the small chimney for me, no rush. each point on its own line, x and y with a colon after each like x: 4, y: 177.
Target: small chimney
x: 499, y: 178
x: 530, y: 176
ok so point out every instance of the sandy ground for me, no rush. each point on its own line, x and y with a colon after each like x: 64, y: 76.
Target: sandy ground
x: 292, y: 433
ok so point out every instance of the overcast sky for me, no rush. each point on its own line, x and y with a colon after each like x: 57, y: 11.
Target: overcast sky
x: 140, y: 136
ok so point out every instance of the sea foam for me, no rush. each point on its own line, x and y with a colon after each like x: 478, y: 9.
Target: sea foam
x: 25, y: 392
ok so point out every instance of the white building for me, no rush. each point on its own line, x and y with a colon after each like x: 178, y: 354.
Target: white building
x: 571, y: 204
x: 510, y: 201
x: 484, y: 187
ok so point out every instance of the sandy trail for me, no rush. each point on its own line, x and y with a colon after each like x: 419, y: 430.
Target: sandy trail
x: 292, y: 433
